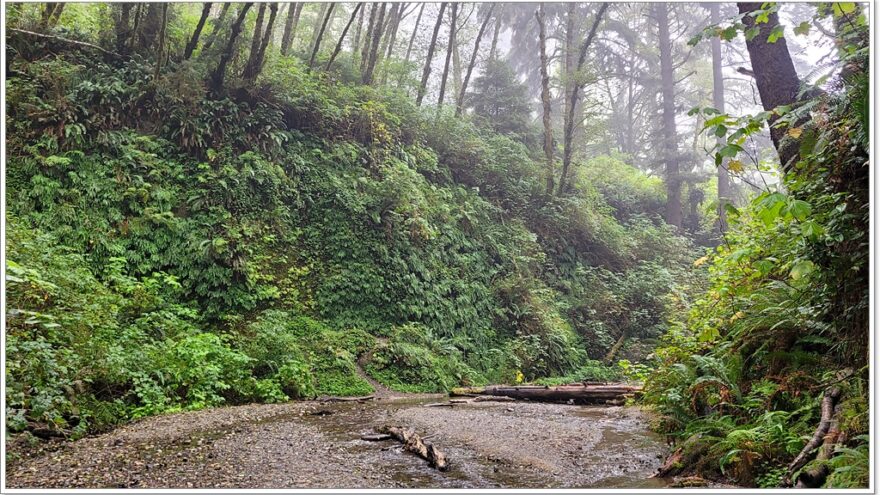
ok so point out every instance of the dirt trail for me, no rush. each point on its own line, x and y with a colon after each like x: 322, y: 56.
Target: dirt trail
x: 318, y: 445
x: 379, y: 390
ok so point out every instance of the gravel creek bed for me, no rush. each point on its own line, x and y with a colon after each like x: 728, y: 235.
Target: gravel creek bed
x: 318, y: 445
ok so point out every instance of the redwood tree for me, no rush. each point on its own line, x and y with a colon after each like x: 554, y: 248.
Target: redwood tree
x: 573, y: 98
x: 670, y: 138
x: 459, y: 104
x: 450, y: 46
x: 426, y: 71
x: 317, y: 47
x: 718, y: 103
x: 219, y: 73
x: 194, y: 39
x: 293, y: 13
x: 338, y: 48
x: 260, y: 43
x: 777, y: 81
x: 545, y: 98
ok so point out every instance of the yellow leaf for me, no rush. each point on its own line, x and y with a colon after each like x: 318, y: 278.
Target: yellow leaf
x: 701, y: 261
x: 795, y: 132
x: 735, y: 166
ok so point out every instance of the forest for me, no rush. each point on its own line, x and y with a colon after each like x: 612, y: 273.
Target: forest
x: 219, y: 204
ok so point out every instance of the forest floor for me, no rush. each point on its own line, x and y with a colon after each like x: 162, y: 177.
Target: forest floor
x: 318, y: 445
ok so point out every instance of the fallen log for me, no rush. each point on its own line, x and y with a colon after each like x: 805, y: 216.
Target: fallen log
x: 829, y: 403
x: 412, y: 442
x: 564, y: 393
x: 671, y: 466
x: 81, y: 44
x: 683, y: 458
x: 466, y: 391
x: 439, y: 404
x: 376, y: 438
x: 586, y: 392
x: 494, y: 398
x: 334, y: 398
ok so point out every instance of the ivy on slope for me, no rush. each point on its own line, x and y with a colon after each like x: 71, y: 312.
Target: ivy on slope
x: 172, y: 250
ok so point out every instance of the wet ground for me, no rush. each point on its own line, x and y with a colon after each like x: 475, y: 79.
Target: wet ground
x: 318, y: 445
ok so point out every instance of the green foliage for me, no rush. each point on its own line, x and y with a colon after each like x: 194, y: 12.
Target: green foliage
x: 624, y: 187
x: 500, y: 99
x: 786, y: 310
x: 414, y: 360
x: 850, y: 467
x: 591, y: 371
x: 173, y: 248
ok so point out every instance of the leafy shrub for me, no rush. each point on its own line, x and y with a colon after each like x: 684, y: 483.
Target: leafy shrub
x: 415, y: 361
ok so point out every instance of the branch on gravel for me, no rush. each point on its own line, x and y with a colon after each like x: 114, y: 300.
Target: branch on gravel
x: 415, y: 444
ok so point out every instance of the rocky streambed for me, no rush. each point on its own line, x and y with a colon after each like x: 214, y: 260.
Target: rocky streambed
x: 319, y: 445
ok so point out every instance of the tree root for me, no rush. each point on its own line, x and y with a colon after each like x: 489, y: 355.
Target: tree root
x: 825, y: 437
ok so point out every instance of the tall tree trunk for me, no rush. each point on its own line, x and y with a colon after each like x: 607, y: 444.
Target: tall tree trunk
x: 718, y: 103
x: 194, y: 40
x: 776, y: 78
x: 293, y: 12
x: 220, y: 72
x: 357, y: 35
x: 388, y: 45
x: 459, y: 104
x: 255, y: 40
x: 391, y: 38
x: 45, y: 13
x: 368, y: 37
x: 493, y: 48
x: 138, y: 15
x: 630, y: 120
x: 217, y: 24
x: 267, y: 38
x: 357, y: 9
x: 426, y: 71
x: 50, y: 11
x: 576, y: 85
x: 56, y: 14
x: 151, y: 24
x: 317, y: 46
x: 545, y: 98
x: 568, y: 61
x: 456, y: 73
x: 449, y: 47
x: 122, y: 22
x: 260, y: 42
x: 316, y: 31
x: 162, y: 29
x: 670, y: 143
x: 373, y: 56
x: 412, y: 38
